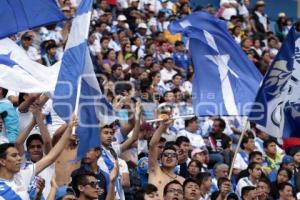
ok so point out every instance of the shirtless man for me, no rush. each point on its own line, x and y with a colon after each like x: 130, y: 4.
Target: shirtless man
x: 161, y: 175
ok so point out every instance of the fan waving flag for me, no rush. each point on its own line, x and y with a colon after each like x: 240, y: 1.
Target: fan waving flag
x: 277, y: 107
x: 20, y: 74
x: 77, y: 68
x: 225, y: 80
x: 20, y: 15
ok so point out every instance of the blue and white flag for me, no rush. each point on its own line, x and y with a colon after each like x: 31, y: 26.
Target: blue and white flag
x: 77, y: 65
x: 20, y: 15
x: 225, y: 80
x: 277, y: 107
x: 19, y: 73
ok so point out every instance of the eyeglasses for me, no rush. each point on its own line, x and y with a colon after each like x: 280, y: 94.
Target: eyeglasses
x: 93, y: 184
x: 172, y: 155
x: 172, y: 190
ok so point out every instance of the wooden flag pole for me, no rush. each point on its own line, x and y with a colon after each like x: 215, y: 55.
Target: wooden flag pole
x: 173, y: 118
x: 238, y: 148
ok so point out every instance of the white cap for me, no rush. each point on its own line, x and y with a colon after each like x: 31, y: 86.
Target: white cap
x: 142, y: 25
x: 121, y: 18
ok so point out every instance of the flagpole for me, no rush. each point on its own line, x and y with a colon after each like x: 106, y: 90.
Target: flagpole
x: 238, y: 148
x: 77, y: 101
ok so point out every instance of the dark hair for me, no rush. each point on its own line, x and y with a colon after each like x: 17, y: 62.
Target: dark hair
x: 289, y: 173
x: 222, y: 122
x: 222, y: 180
x: 104, y: 38
x: 190, y: 180
x: 166, y: 59
x: 245, y: 140
x: 246, y: 190
x: 146, y: 189
x: 178, y: 43
x: 3, y: 149
x: 253, y: 154
x: 170, y: 183
x: 188, y: 121
x: 268, y: 141
x: 198, y: 163
x: 4, y: 91
x: 145, y: 85
x: 168, y: 148
x: 177, y: 74
x: 252, y: 165
x: 80, y: 178
x: 182, y: 139
x: 203, y: 176
x: 266, y: 181
x: 281, y: 186
x: 115, y: 67
x: 34, y: 137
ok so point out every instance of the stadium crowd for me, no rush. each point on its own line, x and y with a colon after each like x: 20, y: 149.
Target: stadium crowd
x: 146, y: 73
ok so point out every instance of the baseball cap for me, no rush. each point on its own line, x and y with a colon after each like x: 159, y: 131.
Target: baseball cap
x: 142, y: 25
x: 260, y: 3
x: 142, y: 166
x: 121, y: 18
x: 287, y: 159
x: 281, y: 14
x: 198, y: 150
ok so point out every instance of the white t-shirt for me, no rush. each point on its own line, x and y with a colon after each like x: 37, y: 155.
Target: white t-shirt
x: 196, y: 140
x: 240, y: 163
x: 228, y: 12
x: 167, y: 75
x: 243, y: 182
x: 17, y: 187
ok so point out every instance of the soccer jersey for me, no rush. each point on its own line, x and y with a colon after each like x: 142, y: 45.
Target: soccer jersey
x: 16, y: 188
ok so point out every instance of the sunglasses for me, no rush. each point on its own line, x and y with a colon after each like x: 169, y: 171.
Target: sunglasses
x: 93, y: 184
x: 172, y: 155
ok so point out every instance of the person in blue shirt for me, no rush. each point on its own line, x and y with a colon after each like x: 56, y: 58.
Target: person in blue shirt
x: 9, y: 117
x: 181, y: 57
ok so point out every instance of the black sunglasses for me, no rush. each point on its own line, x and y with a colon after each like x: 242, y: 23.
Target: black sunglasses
x: 93, y: 184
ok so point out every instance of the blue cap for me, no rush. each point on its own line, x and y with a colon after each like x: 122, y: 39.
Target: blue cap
x: 287, y: 159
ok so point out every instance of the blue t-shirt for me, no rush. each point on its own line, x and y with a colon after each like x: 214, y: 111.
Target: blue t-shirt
x: 10, y: 120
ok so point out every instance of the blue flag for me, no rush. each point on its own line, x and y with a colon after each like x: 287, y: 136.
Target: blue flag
x: 277, y: 107
x: 225, y: 80
x: 20, y: 15
x: 77, y: 68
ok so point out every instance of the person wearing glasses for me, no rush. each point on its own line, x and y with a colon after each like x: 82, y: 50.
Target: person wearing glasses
x: 160, y: 175
x: 173, y: 190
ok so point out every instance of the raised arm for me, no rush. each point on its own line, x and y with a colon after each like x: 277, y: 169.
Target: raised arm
x: 22, y: 137
x: 57, y: 149
x: 112, y: 180
x: 154, y: 142
x: 127, y: 144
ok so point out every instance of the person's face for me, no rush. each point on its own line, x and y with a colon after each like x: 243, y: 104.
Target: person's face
x: 290, y: 166
x: 217, y: 127
x: 177, y: 81
x: 170, y: 98
x: 26, y: 42
x: 156, y: 78
x: 222, y: 172
x: 155, y: 67
x: 250, y: 145
x: 194, y: 126
x: 148, y: 61
x: 152, y: 196
x: 191, y: 191
x: 112, y: 55
x: 207, y: 184
x: 185, y: 146
x: 12, y: 162
x: 271, y: 148
x: 169, y: 64
x: 247, y: 43
x: 193, y: 169
x: 169, y: 158
x: 258, y: 159
x: 107, y: 135
x: 143, y: 75
x: 91, y: 189
x: 263, y: 187
x: 52, y: 51
x: 257, y: 43
x: 256, y: 172
x: 104, y: 44
x: 35, y: 150
x: 297, y: 157
x: 174, y: 192
x: 118, y: 72
x: 282, y: 176
x: 91, y: 156
x: 286, y: 193
x: 200, y: 157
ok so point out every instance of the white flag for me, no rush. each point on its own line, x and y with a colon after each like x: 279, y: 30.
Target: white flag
x: 20, y: 74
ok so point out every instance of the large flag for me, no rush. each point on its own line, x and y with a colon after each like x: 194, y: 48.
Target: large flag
x: 277, y: 107
x: 20, y: 15
x: 77, y: 68
x: 19, y: 73
x: 225, y: 80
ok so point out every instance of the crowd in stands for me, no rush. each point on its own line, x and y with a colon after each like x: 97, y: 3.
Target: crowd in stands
x: 146, y: 73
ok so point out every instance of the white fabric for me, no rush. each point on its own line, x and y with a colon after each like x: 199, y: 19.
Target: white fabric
x: 195, y: 139
x: 25, y: 75
x: 239, y: 163
x: 20, y: 182
x: 167, y: 75
x: 243, y: 183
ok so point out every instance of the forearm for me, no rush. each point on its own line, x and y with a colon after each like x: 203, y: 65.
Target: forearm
x: 111, y: 191
x: 44, y: 132
x: 156, y: 137
x: 51, y: 195
x: 22, y: 137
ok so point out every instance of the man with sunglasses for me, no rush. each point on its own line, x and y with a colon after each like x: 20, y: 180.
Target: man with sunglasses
x: 161, y: 175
